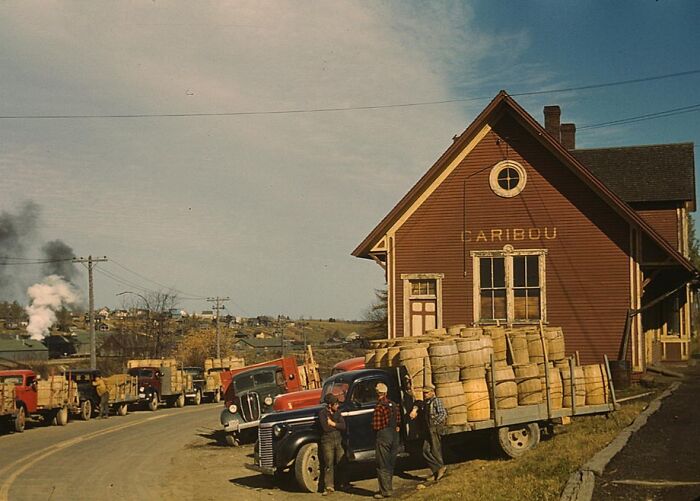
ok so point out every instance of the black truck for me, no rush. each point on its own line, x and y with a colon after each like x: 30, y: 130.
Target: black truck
x: 89, y: 401
x: 288, y: 441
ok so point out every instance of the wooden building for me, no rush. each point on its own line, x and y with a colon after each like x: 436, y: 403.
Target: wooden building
x: 513, y: 225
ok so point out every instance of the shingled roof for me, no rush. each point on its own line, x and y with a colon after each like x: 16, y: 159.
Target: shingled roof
x: 655, y: 173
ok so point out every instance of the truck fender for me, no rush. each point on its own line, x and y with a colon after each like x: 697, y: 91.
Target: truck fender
x: 292, y: 445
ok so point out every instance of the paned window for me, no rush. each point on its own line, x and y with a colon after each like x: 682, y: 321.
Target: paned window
x: 423, y: 288
x: 510, y: 286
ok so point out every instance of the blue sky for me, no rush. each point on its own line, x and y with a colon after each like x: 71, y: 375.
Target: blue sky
x: 267, y: 208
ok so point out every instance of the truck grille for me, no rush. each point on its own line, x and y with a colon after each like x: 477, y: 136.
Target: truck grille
x: 250, y: 406
x: 267, y: 459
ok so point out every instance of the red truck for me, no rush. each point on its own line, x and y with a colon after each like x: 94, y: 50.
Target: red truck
x: 307, y: 398
x: 51, y: 400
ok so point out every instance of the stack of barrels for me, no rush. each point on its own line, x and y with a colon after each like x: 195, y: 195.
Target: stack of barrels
x: 529, y: 367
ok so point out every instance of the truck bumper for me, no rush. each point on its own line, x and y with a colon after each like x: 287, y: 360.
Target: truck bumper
x: 235, y: 425
x: 260, y: 469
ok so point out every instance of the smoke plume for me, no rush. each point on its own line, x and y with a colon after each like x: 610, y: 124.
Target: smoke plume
x: 47, y: 298
x: 17, y: 233
x: 60, y: 254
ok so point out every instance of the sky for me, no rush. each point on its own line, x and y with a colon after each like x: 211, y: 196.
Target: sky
x: 265, y: 208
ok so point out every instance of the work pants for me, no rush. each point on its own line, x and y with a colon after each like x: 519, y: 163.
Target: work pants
x: 432, y: 450
x: 332, y: 454
x: 104, y: 404
x: 386, y: 449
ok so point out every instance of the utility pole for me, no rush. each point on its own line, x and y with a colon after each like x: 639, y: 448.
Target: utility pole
x: 218, y: 306
x: 91, y: 312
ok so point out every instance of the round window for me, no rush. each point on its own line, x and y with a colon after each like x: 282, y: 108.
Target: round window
x: 507, y: 178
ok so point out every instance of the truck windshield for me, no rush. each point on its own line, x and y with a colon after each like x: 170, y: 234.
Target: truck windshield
x: 339, y: 388
x: 146, y: 373
x: 244, y: 383
x: 15, y: 380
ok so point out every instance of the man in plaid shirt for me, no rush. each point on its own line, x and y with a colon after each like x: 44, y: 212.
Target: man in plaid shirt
x: 386, y: 423
x: 433, y: 415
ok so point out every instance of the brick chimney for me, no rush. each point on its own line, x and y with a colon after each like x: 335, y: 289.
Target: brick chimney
x: 568, y: 136
x: 552, y: 119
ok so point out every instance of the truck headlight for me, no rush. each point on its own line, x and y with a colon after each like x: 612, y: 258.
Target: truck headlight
x: 232, y: 408
x: 268, y: 400
x: 141, y: 389
x: 279, y: 430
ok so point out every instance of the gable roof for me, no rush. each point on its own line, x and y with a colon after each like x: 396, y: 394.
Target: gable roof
x: 654, y: 173
x: 503, y: 103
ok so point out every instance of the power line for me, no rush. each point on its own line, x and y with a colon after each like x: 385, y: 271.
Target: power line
x: 4, y: 261
x: 642, y: 118
x: 348, y: 108
x: 194, y: 296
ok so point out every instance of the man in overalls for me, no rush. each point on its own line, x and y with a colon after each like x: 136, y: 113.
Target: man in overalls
x: 386, y: 423
x: 432, y: 415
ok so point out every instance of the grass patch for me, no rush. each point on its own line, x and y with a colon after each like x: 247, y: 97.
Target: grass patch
x: 542, y: 473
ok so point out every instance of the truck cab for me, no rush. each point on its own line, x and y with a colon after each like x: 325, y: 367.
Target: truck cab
x: 289, y: 440
x: 25, y: 387
x: 250, y: 394
x: 89, y: 401
x: 199, y: 384
x: 149, y: 385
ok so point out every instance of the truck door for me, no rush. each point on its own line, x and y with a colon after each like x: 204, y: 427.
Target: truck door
x: 28, y: 393
x: 358, y: 413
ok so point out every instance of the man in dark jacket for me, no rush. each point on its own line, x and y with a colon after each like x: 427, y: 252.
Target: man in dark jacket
x: 332, y: 424
x: 432, y: 415
x: 386, y: 422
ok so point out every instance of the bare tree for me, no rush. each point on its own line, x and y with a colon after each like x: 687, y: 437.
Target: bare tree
x: 156, y: 324
x: 376, y: 314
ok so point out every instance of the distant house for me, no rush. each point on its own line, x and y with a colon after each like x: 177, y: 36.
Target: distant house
x: 207, y: 315
x: 121, y: 314
x: 102, y: 327
x: 59, y: 346
x: 22, y: 349
x: 103, y: 313
x: 353, y: 336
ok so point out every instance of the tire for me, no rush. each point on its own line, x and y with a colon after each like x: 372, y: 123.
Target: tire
x: 153, y: 403
x: 123, y: 410
x: 20, y: 421
x: 198, y: 398
x: 180, y: 401
x: 217, y: 397
x: 62, y: 416
x: 307, y: 470
x: 85, y: 410
x: 514, y: 441
x: 232, y: 440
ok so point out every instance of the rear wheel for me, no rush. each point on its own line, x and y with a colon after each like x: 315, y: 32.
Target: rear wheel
x: 514, y: 441
x: 306, y: 467
x: 217, y: 397
x: 180, y: 400
x: 198, y: 397
x: 153, y: 403
x: 62, y: 416
x: 85, y: 410
x: 123, y: 410
x: 20, y: 420
x: 232, y: 440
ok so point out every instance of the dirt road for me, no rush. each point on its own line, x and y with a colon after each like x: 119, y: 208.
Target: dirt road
x: 168, y: 454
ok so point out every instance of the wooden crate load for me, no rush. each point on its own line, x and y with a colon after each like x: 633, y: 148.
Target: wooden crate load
x: 122, y: 387
x: 213, y: 381
x: 174, y: 379
x: 55, y: 392
x: 309, y: 376
x: 227, y: 363
x: 7, y: 399
x: 529, y: 368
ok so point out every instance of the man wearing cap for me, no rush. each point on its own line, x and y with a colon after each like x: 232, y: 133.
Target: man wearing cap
x: 386, y: 422
x: 332, y: 424
x: 432, y: 416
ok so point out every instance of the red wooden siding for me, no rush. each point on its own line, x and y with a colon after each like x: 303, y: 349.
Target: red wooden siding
x: 587, y: 266
x: 664, y: 221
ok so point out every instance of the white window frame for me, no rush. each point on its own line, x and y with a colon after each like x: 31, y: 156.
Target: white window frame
x: 407, y: 278
x: 508, y: 253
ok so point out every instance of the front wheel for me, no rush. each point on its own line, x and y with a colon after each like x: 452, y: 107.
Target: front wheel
x: 20, y: 420
x: 514, y: 441
x: 217, y: 397
x: 198, y: 398
x: 62, y: 416
x: 123, y: 410
x: 307, y: 467
x: 153, y: 403
x: 232, y: 440
x: 85, y: 410
x: 180, y: 401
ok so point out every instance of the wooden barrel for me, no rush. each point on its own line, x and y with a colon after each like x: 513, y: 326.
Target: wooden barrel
x: 443, y: 354
x: 369, y: 358
x: 498, y: 337
x: 471, y: 332
x: 442, y: 375
x: 436, y: 332
x: 454, y: 330
x: 555, y: 388
x: 486, y: 348
x: 518, y: 346
x: 596, y: 384
x: 471, y: 353
x: 555, y: 343
x: 529, y: 384
x: 562, y: 364
x: 580, y: 381
x: 380, y: 357
x: 417, y: 363
x: 466, y: 373
x: 392, y: 356
x: 534, y: 346
x: 476, y: 395
x: 453, y: 399
x: 506, y: 389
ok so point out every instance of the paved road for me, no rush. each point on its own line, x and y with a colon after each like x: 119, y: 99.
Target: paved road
x: 118, y: 458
